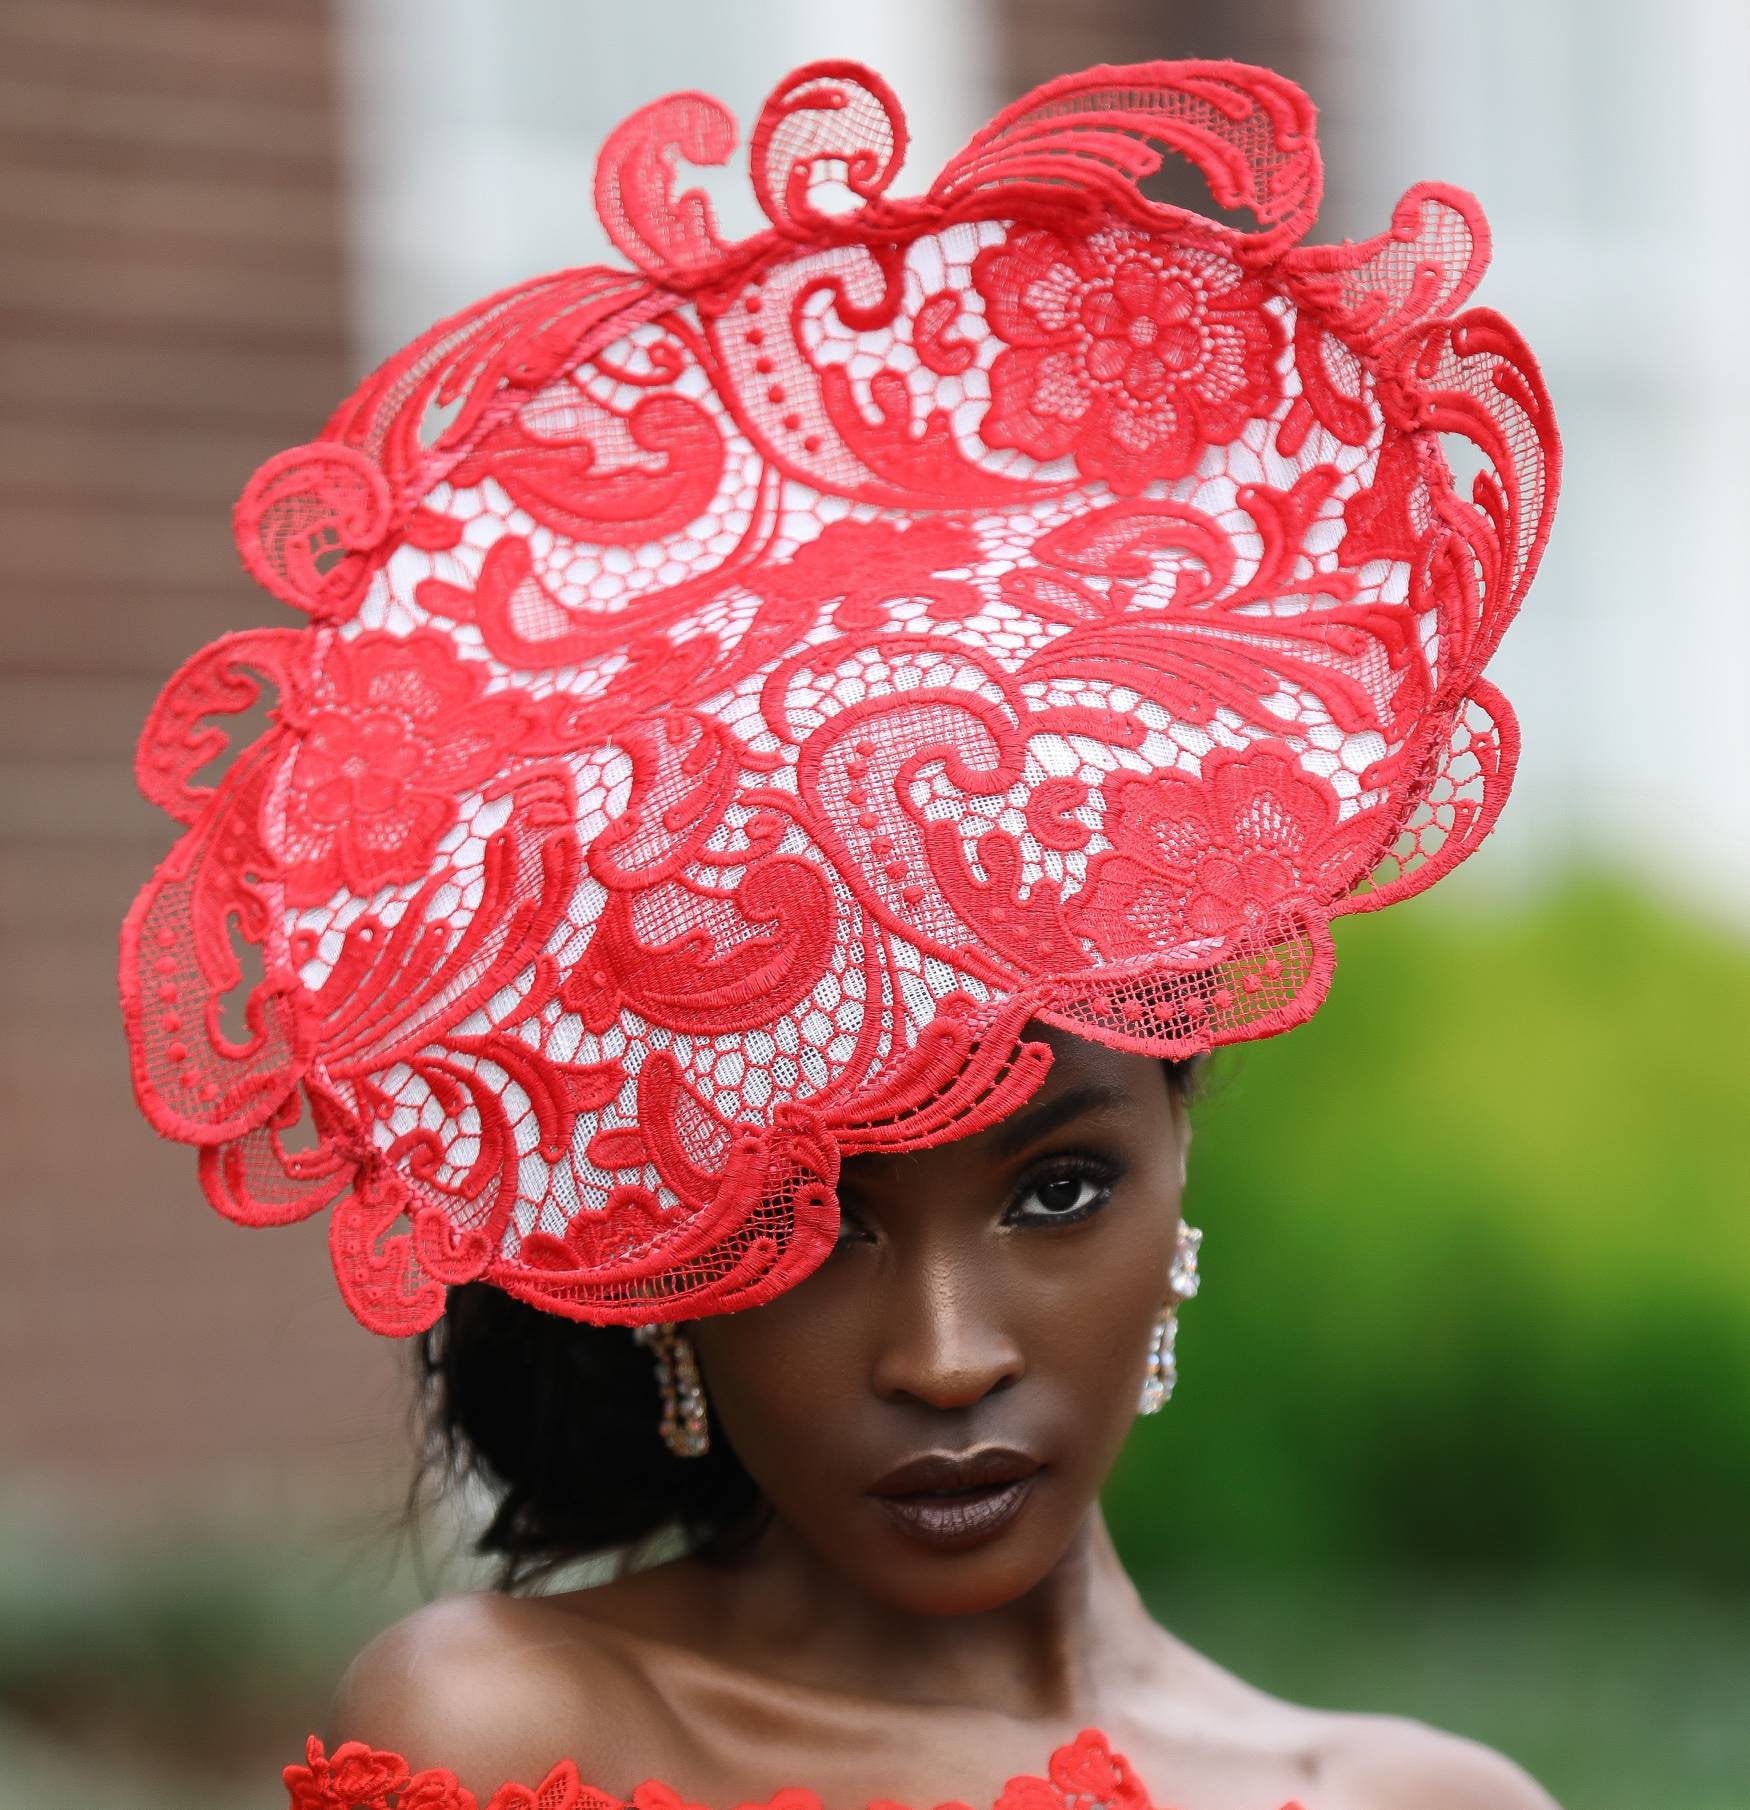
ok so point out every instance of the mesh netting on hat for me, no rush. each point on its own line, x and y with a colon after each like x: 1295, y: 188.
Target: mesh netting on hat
x: 743, y: 692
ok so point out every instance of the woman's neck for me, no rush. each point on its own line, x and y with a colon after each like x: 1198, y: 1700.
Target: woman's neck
x: 1057, y: 1653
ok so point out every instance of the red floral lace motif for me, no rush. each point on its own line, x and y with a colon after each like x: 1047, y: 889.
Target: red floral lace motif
x: 1131, y: 351
x: 1085, y: 1774
x: 399, y: 733
x: 741, y: 692
x: 1254, y: 836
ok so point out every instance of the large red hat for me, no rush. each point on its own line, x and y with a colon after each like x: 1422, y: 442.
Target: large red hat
x: 741, y: 692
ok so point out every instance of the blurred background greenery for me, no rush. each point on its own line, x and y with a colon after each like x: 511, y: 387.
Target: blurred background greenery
x: 1490, y: 1256
x: 1463, y: 1424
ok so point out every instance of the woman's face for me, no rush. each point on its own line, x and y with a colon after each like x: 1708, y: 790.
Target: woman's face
x: 990, y: 1303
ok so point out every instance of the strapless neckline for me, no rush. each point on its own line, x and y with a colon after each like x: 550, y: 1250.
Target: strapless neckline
x: 1083, y: 1774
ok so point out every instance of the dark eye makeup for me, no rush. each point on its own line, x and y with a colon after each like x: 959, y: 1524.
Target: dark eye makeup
x: 1062, y: 1190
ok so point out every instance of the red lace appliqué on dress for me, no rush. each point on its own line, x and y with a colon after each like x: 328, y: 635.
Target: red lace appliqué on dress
x: 1085, y: 1774
x: 741, y: 691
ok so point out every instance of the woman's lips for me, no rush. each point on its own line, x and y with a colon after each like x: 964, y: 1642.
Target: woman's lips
x: 953, y: 1501
x: 963, y: 1519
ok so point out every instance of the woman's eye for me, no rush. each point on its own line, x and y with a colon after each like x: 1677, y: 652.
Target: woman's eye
x: 851, y: 1230
x: 1062, y: 1197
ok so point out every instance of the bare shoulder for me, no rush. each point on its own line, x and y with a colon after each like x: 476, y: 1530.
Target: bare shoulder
x: 1372, y: 1762
x: 501, y: 1689
x: 1321, y: 1759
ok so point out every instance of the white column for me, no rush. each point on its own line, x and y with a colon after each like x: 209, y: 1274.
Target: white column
x: 1610, y: 148
x: 473, y: 128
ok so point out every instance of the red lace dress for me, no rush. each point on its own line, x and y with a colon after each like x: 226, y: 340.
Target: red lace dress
x: 1083, y: 1775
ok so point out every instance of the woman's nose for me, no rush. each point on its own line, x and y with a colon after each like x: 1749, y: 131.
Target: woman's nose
x: 943, y: 1346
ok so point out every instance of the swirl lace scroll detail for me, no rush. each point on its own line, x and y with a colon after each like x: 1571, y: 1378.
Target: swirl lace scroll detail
x: 738, y: 694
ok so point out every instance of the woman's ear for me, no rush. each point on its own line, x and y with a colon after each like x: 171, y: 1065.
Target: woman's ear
x: 1182, y: 1133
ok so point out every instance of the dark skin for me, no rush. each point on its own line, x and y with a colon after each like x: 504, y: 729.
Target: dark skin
x: 997, y: 1290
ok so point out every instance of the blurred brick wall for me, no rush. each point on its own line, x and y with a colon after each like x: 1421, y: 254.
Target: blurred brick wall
x: 172, y: 311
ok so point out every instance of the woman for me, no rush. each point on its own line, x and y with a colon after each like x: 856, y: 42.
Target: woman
x: 798, y: 752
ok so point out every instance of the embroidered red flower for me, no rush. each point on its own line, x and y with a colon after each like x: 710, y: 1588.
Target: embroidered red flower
x: 1084, y: 1775
x: 354, y: 1777
x: 561, y: 1789
x: 1087, y: 1771
x: 1210, y: 858
x: 1130, y: 350
x: 436, y: 1791
x: 653, y: 1794
x: 398, y: 729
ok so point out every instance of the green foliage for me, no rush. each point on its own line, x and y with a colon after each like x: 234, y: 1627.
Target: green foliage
x: 1477, y: 1259
x: 1614, y: 1693
x: 185, y: 1654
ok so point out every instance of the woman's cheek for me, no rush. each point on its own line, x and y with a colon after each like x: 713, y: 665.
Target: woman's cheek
x: 774, y: 1394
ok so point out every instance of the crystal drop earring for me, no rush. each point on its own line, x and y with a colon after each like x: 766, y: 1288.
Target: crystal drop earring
x: 1162, y: 1372
x: 684, y: 1427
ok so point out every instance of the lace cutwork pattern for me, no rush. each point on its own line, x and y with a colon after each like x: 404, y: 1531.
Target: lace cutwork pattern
x: 1084, y: 1774
x: 741, y: 692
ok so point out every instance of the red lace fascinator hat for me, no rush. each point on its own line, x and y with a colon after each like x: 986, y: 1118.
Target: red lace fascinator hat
x: 740, y: 692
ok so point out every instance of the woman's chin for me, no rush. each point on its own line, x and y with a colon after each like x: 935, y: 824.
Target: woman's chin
x: 959, y: 1586
x: 918, y: 1579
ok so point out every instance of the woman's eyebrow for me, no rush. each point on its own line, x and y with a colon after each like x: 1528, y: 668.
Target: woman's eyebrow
x: 1029, y: 1126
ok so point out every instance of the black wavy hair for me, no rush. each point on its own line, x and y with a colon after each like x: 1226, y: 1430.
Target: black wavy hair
x: 559, y: 1421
